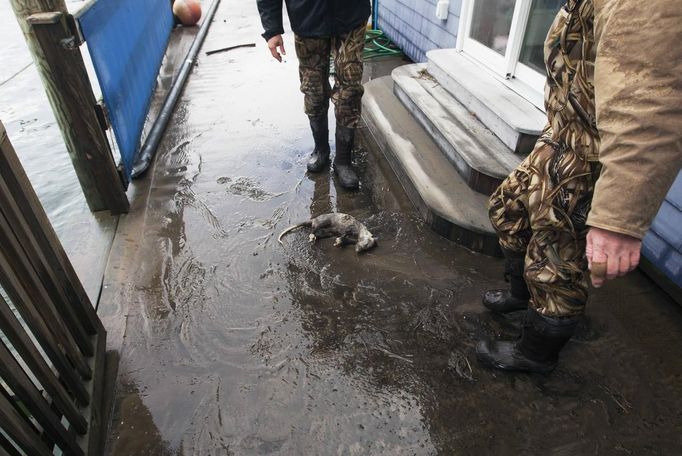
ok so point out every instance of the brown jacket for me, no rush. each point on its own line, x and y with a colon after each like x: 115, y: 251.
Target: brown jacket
x: 638, y: 103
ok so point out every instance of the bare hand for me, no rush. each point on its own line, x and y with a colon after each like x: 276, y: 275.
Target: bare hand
x: 610, y: 255
x: 274, y: 43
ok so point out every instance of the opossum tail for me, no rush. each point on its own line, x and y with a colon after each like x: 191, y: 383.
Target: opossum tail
x: 293, y: 228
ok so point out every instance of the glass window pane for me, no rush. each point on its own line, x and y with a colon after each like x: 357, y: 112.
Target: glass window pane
x: 491, y: 23
x: 542, y: 13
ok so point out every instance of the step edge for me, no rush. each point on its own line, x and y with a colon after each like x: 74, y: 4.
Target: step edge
x: 484, y: 242
x: 438, y: 57
x: 371, y: 108
x: 505, y: 132
x: 502, y: 159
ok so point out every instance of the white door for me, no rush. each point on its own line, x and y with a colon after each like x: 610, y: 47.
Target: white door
x: 508, y: 36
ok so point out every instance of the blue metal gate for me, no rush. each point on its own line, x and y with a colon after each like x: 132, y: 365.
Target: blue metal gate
x: 127, y: 40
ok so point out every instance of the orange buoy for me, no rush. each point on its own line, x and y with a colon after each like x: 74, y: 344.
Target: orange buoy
x: 188, y: 11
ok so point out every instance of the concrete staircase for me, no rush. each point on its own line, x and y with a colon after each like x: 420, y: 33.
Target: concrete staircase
x: 512, y: 118
x: 451, y: 133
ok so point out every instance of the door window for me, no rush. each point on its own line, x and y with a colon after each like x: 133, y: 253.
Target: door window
x: 491, y: 23
x: 508, y: 36
x: 540, y: 18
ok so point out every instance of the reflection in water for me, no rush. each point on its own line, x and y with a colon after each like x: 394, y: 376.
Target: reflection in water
x: 31, y: 126
x: 321, y: 202
x: 133, y: 416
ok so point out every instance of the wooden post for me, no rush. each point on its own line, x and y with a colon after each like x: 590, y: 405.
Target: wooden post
x: 57, y: 56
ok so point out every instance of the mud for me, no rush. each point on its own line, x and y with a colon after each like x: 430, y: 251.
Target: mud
x: 236, y: 345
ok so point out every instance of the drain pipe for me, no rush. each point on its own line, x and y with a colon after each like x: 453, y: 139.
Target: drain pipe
x: 156, y: 133
x: 375, y: 14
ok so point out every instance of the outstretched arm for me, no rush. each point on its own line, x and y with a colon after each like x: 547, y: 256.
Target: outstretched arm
x: 638, y: 95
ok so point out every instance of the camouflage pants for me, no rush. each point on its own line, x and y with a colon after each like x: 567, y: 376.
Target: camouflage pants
x: 540, y: 210
x: 314, y: 55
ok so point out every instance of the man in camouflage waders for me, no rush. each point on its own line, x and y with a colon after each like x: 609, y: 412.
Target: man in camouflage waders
x: 586, y: 195
x: 324, y: 29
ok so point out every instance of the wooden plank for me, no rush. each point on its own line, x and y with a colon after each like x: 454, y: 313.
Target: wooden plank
x: 41, y: 332
x: 26, y: 198
x: 44, y: 18
x: 22, y: 386
x: 68, y: 88
x: 91, y: 154
x: 7, y: 393
x: 7, y: 448
x: 96, y: 415
x: 20, y: 431
x: 21, y: 273
x: 23, y: 344
x: 46, y: 275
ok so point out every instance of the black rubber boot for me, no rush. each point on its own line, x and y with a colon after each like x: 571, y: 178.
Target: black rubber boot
x: 517, y: 296
x: 537, y: 350
x: 343, y: 166
x: 320, y: 156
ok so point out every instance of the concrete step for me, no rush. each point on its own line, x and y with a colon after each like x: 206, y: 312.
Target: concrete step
x: 479, y: 156
x: 441, y: 195
x: 515, y: 120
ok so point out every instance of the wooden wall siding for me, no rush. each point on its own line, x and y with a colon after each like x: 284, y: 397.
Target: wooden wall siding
x: 414, y: 27
x: 663, y: 243
x: 53, y: 345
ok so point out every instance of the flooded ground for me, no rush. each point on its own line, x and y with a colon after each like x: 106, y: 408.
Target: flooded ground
x: 31, y: 126
x: 233, y: 344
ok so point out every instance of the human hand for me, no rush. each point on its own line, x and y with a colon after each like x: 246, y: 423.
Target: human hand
x: 610, y: 255
x: 274, y: 43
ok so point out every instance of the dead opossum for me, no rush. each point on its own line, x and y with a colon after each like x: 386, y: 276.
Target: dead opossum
x: 346, y: 229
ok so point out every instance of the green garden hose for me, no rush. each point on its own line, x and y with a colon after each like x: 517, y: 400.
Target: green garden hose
x: 379, y: 45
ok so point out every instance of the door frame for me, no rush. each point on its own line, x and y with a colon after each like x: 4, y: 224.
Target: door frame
x: 521, y: 78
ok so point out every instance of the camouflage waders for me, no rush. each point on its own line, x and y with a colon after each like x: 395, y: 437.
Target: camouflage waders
x: 541, y: 209
x: 313, y: 55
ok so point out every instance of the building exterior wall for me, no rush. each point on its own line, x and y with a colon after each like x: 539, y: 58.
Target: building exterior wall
x: 663, y: 243
x: 414, y: 27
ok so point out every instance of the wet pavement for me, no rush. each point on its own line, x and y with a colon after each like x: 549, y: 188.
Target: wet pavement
x: 233, y: 344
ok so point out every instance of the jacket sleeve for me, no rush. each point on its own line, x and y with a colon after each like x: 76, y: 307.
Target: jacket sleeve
x: 271, y: 17
x: 638, y: 100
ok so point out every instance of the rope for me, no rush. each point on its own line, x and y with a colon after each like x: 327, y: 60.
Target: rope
x: 28, y: 65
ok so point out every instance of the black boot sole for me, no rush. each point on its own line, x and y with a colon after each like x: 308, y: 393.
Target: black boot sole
x: 355, y: 186
x: 504, y: 309
x: 502, y: 302
x: 318, y: 169
x: 321, y: 165
x: 487, y: 360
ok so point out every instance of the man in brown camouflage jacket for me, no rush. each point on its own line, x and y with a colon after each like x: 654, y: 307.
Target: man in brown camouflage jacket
x: 586, y: 195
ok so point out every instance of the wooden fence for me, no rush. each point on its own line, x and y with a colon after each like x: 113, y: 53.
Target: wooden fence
x: 52, y: 350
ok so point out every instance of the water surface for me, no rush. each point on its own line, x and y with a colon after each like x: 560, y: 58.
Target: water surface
x: 237, y: 345
x: 31, y: 126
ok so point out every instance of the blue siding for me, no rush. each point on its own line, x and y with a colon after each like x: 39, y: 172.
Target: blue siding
x: 663, y: 243
x: 413, y: 26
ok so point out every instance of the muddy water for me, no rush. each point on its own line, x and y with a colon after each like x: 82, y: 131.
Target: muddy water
x: 237, y: 345
x: 32, y: 128
x: 26, y: 113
